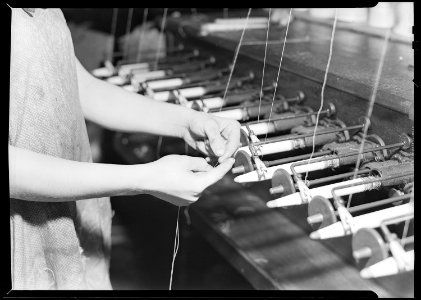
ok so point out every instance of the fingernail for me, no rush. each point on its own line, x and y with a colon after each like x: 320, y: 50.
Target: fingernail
x: 271, y: 204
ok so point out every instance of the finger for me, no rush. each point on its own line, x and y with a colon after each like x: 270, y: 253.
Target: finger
x: 233, y: 141
x: 199, y: 164
x: 213, y: 134
x: 204, y: 148
x: 218, y: 172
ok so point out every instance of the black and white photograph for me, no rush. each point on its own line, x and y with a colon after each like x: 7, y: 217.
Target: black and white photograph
x: 212, y: 149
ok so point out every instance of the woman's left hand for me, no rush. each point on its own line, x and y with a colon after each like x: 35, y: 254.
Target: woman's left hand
x: 214, y: 136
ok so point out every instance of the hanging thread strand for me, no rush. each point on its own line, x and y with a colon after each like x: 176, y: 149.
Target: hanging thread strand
x: 176, y: 244
x: 235, y: 59
x: 322, y: 93
x: 264, y: 65
x: 371, y: 106
x: 279, y: 71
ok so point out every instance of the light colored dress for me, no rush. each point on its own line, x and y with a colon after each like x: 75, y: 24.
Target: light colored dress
x: 64, y: 245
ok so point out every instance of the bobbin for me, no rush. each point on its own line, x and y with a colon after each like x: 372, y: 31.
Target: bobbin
x: 321, y: 213
x: 368, y: 247
x: 282, y: 183
x: 243, y: 161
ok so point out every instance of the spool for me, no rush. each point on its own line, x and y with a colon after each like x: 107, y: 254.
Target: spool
x: 281, y: 180
x: 321, y: 213
x: 244, y: 138
x: 243, y: 159
x: 368, y: 238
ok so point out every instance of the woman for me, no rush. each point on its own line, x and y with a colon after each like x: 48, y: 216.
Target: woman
x: 60, y: 214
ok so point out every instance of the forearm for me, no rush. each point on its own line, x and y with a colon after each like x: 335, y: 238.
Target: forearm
x: 38, y: 177
x: 117, y: 109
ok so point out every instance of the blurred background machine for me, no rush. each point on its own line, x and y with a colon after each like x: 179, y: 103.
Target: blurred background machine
x: 285, y: 218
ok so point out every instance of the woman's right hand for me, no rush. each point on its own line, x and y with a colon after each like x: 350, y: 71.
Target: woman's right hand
x: 180, y: 179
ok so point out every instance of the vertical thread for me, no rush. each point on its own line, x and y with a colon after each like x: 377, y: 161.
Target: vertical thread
x: 235, y: 59
x: 279, y: 70
x: 264, y: 65
x: 322, y: 93
x: 176, y: 244
x: 370, y: 107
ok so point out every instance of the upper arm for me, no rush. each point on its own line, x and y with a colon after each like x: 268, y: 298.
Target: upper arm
x: 84, y: 78
x: 87, y: 85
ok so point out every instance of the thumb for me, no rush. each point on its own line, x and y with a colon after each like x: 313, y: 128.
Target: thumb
x: 199, y: 164
x: 213, y: 134
x: 218, y: 172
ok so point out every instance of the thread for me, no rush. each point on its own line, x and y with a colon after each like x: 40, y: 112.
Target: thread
x: 164, y: 20
x: 142, y: 33
x: 264, y: 65
x: 176, y: 244
x: 323, y: 90
x: 187, y: 215
x: 235, y: 59
x: 371, y: 106
x: 279, y: 70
